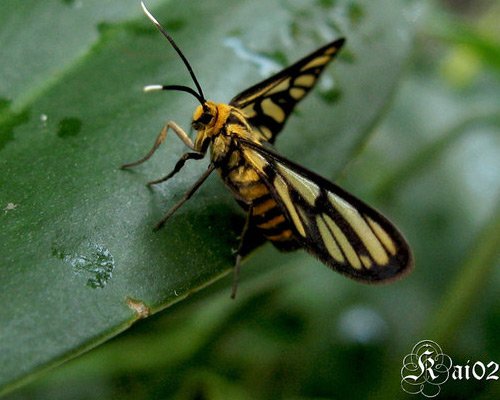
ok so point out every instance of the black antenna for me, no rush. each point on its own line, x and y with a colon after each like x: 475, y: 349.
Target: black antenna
x: 199, y: 95
x: 180, y: 88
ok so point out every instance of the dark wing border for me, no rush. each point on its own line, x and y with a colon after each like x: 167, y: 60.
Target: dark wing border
x: 398, y: 265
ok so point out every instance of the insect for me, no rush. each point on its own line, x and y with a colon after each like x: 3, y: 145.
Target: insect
x: 284, y: 202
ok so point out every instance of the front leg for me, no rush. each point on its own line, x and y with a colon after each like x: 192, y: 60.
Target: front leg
x: 160, y: 139
x: 178, y: 166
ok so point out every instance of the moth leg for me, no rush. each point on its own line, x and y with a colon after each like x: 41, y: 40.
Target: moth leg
x: 237, y: 264
x: 160, y: 139
x: 186, y: 156
x: 186, y: 196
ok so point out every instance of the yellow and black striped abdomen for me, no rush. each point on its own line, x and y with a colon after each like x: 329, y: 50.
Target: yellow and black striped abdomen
x: 267, y: 215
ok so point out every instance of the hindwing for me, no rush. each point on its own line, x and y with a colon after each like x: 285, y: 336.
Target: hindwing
x: 269, y: 103
x: 339, y: 229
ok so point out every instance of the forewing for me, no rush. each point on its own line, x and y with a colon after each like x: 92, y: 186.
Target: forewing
x: 339, y: 229
x: 268, y: 104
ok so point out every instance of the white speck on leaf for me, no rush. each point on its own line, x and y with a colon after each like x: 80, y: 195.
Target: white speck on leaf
x: 10, y: 207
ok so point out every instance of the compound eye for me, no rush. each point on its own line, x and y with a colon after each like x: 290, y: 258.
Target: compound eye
x: 205, y: 118
x: 203, y: 121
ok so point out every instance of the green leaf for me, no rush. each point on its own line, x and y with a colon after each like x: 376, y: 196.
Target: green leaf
x: 80, y: 261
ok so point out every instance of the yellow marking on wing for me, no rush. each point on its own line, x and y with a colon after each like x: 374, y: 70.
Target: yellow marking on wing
x: 331, y: 51
x: 280, y: 87
x: 273, y: 222
x: 266, y: 132
x: 297, y: 93
x: 249, y: 111
x: 307, y: 189
x: 345, y: 245
x: 316, y: 62
x: 250, y: 98
x: 285, y: 235
x: 383, y: 236
x: 263, y: 207
x: 329, y: 241
x: 282, y: 190
x: 366, y: 261
x: 306, y: 80
x: 359, y: 225
x: 303, y: 215
x: 256, y: 159
x: 273, y: 110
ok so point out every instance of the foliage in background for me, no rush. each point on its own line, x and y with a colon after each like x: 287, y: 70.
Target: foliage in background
x: 297, y: 330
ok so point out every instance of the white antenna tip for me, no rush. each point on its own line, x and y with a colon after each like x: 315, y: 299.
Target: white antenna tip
x: 152, y: 88
x: 148, y: 14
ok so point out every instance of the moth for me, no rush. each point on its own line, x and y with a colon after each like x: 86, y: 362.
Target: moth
x: 287, y: 204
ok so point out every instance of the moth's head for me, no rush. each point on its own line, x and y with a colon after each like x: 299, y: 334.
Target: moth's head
x: 204, y: 116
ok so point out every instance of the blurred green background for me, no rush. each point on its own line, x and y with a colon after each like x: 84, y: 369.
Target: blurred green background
x: 296, y: 330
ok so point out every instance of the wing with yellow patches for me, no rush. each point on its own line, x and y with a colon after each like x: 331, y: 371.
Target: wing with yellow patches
x: 339, y: 229
x: 268, y: 104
